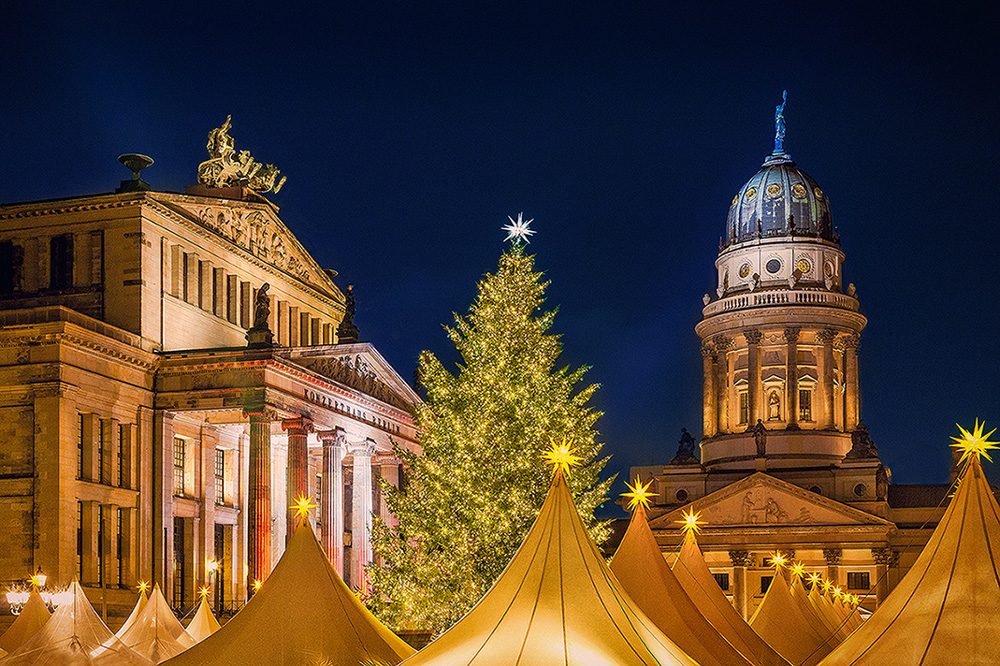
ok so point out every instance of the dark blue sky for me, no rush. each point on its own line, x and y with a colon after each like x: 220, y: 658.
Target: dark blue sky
x: 409, y: 134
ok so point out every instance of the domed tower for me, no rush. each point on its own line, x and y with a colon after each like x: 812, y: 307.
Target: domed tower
x: 780, y: 339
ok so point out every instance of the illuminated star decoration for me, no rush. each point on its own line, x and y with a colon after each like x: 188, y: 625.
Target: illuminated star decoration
x: 814, y: 579
x: 203, y: 592
x: 826, y: 586
x: 798, y: 569
x: 561, y: 456
x: 974, y: 443
x: 691, y: 522
x: 640, y: 494
x: 303, y: 506
x: 518, y: 230
x: 37, y: 581
x: 777, y: 560
x: 142, y: 587
x: 257, y: 585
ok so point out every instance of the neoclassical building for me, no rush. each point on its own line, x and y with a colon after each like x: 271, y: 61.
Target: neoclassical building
x: 145, y: 434
x: 786, y: 464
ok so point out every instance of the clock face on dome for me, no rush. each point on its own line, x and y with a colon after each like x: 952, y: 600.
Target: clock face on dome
x: 744, y: 270
x: 803, y: 265
x: 773, y: 265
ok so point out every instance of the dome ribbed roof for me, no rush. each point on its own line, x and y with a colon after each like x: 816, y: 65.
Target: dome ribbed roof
x: 780, y: 200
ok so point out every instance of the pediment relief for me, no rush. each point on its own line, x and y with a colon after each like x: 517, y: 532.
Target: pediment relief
x: 762, y: 500
x: 256, y: 229
x: 360, y: 367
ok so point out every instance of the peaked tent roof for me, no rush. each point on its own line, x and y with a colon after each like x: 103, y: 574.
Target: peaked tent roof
x: 303, y: 614
x: 801, y: 598
x: 557, y: 602
x: 156, y: 634
x: 834, y: 621
x: 694, y: 576
x: 74, y: 635
x: 203, y: 624
x: 32, y: 617
x: 130, y: 620
x: 782, y: 622
x: 947, y: 607
x: 640, y: 568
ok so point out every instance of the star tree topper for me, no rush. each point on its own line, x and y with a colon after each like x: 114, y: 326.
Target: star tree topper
x: 974, y: 443
x: 639, y: 495
x: 518, y: 230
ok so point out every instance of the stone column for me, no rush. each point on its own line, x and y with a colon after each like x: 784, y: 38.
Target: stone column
x: 298, y: 468
x: 163, y: 500
x: 852, y: 397
x: 792, y: 378
x: 753, y: 337
x: 333, y: 497
x: 259, y: 496
x: 884, y: 558
x: 741, y: 560
x: 826, y: 337
x: 723, y: 382
x: 709, y: 392
x: 833, y: 556
x: 361, y: 545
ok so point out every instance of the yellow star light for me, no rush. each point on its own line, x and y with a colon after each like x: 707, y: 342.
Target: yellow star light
x: 203, y: 592
x: 303, y: 506
x: 37, y: 581
x: 798, y: 569
x: 256, y: 585
x: 778, y: 560
x: 837, y: 593
x: 974, y: 443
x: 691, y: 522
x: 561, y: 456
x: 814, y: 579
x: 640, y: 494
x: 826, y: 586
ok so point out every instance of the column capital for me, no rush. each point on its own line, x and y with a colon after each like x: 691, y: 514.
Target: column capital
x: 753, y: 336
x: 826, y: 336
x: 722, y: 343
x: 886, y: 556
x: 301, y: 425
x: 852, y: 341
x: 708, y: 351
x: 365, y: 449
x: 332, y: 436
x: 833, y: 555
x: 740, y: 558
x: 792, y: 333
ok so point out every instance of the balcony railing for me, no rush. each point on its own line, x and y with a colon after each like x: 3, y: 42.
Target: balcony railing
x: 780, y: 297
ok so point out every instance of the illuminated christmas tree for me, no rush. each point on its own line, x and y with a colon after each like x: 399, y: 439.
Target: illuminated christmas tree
x: 471, y: 497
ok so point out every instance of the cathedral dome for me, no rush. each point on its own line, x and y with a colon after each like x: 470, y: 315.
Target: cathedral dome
x: 780, y: 200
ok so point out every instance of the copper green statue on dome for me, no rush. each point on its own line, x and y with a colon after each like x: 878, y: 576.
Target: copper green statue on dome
x: 779, y: 124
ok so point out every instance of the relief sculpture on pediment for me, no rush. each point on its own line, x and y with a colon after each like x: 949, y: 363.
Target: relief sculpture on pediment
x: 356, y: 374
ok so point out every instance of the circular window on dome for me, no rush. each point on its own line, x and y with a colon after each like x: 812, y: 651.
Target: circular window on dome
x: 803, y: 265
x: 773, y: 189
x: 828, y: 269
x: 681, y: 495
x: 744, y: 270
x: 751, y: 193
x: 735, y: 199
x: 773, y: 265
x: 818, y: 192
x: 799, y: 191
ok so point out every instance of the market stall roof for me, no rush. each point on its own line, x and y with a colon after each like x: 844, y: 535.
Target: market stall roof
x: 203, y: 624
x: 34, y: 614
x: 156, y: 633
x: 130, y: 620
x: 782, y: 622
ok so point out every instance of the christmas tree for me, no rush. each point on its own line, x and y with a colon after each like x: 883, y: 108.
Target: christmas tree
x: 472, y: 495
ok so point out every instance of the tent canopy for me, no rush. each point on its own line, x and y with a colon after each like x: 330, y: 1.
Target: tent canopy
x: 788, y: 627
x: 203, y: 624
x: 32, y: 617
x: 156, y: 634
x: 557, y: 602
x: 130, y: 620
x: 303, y: 614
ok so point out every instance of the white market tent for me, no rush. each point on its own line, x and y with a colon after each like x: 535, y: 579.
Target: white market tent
x: 203, y: 624
x: 74, y: 635
x: 156, y: 634
x: 33, y: 616
x: 303, y: 614
x: 130, y: 620
x: 788, y: 627
x: 946, y: 610
x: 556, y: 603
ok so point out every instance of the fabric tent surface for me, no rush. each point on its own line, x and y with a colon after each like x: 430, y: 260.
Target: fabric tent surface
x: 130, y: 620
x: 781, y: 622
x: 834, y: 621
x: 74, y: 635
x: 34, y: 614
x: 643, y: 573
x: 947, y: 608
x: 203, y: 624
x: 303, y: 614
x: 801, y: 599
x: 694, y: 576
x: 156, y: 633
x: 557, y: 602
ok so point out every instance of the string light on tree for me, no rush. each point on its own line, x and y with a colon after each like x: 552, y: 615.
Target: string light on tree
x: 518, y: 230
x: 638, y: 494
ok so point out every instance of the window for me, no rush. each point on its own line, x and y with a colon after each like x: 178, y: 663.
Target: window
x: 79, y: 448
x: 79, y: 541
x: 11, y: 262
x: 722, y: 579
x: 178, y: 562
x: 61, y: 261
x: 184, y: 276
x: 119, y: 465
x: 744, y: 407
x: 119, y: 545
x: 179, y: 451
x: 765, y: 582
x: 101, y: 517
x: 805, y: 404
x: 220, y: 476
x: 858, y: 580
x: 102, y: 458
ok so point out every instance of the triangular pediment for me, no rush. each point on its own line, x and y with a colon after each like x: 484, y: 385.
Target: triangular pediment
x: 256, y: 228
x: 762, y: 500
x: 357, y: 365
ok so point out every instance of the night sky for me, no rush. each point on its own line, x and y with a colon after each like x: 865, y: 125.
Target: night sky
x: 624, y: 129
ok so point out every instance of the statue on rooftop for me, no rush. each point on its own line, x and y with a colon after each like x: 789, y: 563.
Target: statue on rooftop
x: 779, y: 123
x: 227, y: 168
